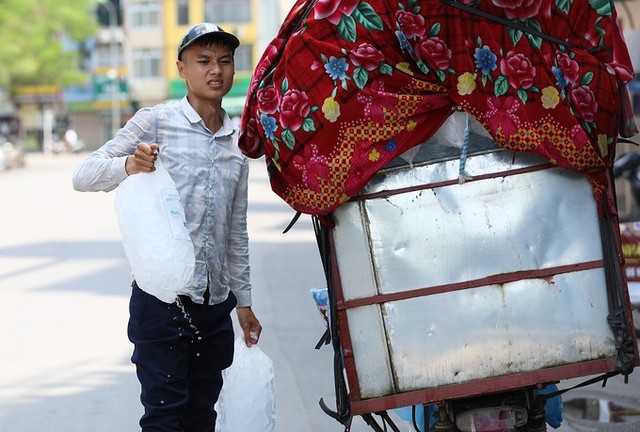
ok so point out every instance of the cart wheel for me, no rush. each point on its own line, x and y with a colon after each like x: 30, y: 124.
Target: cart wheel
x: 537, y: 420
x: 444, y: 423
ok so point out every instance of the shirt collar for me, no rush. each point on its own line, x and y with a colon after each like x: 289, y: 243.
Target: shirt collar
x: 228, y: 127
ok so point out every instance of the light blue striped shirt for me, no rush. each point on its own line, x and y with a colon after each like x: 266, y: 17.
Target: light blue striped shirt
x: 211, y: 175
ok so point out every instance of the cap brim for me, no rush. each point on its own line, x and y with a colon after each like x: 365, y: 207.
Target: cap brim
x: 222, y: 35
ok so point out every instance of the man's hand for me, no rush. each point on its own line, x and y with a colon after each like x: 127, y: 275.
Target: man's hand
x: 143, y: 159
x: 249, y: 324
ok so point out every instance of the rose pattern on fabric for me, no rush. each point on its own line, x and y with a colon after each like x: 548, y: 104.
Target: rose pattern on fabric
x: 434, y: 51
x: 518, y: 70
x: 334, y: 10
x: 294, y: 109
x: 522, y: 9
x: 346, y: 86
x: 366, y: 56
x: 267, y: 61
x: 550, y: 97
x: 568, y: 67
x: 583, y: 102
x: 412, y: 25
x: 466, y: 84
x: 268, y: 99
x: 331, y: 109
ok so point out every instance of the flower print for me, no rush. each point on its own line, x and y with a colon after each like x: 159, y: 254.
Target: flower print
x: 331, y: 109
x: 620, y: 71
x: 252, y: 141
x: 603, y: 144
x: 469, y: 42
x: 375, y: 99
x: 561, y: 81
x: 266, y: 62
x: 269, y: 125
x: 365, y: 153
x: 374, y: 155
x: 583, y: 102
x: 367, y: 56
x: 336, y: 68
x: 333, y: 10
x: 404, y: 42
x: 592, y: 36
x: 550, y: 97
x: 404, y: 67
x: 294, y: 108
x: 523, y: 9
x: 518, y: 69
x: 569, y: 67
x: 485, y: 59
x: 434, y: 49
x: 579, y: 137
x: 316, y: 64
x: 411, y: 25
x: 501, y: 115
x: 391, y: 146
x: 466, y: 84
x: 313, y: 166
x: 268, y: 99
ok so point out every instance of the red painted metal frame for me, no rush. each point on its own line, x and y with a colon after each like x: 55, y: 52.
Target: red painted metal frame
x: 455, y: 391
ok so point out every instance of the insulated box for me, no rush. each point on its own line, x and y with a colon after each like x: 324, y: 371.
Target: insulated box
x: 447, y: 288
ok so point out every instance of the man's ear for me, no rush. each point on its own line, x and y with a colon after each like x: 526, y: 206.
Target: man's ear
x: 180, y: 67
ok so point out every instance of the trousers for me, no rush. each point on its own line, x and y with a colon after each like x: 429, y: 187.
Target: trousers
x: 180, y: 351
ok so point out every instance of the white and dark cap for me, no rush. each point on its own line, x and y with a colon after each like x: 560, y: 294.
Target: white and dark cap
x: 205, y: 29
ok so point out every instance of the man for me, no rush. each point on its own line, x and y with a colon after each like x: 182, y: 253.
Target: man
x: 180, y: 349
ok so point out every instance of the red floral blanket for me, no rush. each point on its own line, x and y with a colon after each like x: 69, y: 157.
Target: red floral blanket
x: 347, y: 86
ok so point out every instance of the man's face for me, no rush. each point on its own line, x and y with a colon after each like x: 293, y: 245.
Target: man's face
x: 208, y: 71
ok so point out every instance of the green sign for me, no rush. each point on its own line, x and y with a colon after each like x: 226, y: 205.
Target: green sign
x: 103, y: 87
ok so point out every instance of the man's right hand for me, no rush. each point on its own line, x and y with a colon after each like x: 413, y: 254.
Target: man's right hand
x: 143, y: 159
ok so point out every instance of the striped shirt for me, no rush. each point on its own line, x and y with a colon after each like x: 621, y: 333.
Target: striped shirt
x: 211, y: 175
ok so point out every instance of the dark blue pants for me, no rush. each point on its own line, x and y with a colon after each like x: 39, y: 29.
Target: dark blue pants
x: 179, y: 356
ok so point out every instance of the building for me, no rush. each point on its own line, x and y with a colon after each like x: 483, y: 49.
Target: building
x: 100, y: 107
x: 133, y: 57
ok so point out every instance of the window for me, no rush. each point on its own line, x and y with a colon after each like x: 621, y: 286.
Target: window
x: 145, y: 13
x: 103, y: 56
x: 146, y: 63
x: 182, y: 12
x: 243, y: 58
x: 227, y: 11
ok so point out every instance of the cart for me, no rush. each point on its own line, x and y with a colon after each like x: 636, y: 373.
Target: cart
x: 470, y: 272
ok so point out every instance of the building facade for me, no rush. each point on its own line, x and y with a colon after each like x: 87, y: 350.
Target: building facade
x: 132, y: 59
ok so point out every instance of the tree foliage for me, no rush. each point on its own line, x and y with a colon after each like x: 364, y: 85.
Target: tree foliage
x: 33, y: 41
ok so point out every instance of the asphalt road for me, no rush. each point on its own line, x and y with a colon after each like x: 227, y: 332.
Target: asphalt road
x: 64, y: 288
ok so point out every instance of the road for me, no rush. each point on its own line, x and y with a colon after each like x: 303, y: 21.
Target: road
x: 64, y: 287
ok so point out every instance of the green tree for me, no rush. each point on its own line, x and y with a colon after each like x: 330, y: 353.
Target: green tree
x: 31, y: 41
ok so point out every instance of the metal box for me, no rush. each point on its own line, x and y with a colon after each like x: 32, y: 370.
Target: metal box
x: 447, y: 289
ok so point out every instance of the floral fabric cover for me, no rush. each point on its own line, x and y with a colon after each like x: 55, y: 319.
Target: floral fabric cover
x: 346, y: 86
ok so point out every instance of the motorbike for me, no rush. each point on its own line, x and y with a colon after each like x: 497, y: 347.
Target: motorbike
x: 466, y: 282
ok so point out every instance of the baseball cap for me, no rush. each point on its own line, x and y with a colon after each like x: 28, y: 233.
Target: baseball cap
x: 203, y: 29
